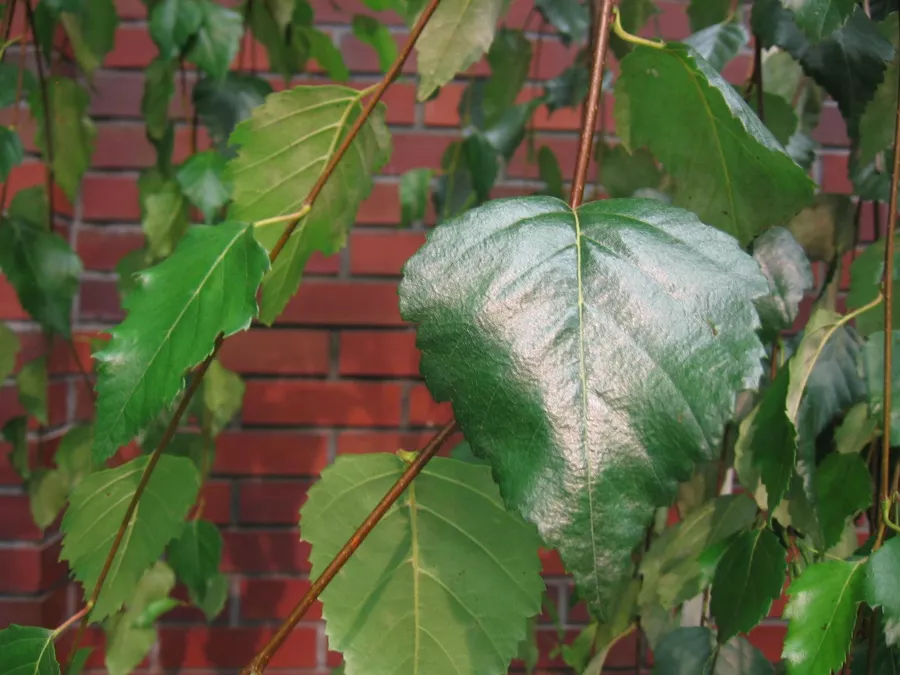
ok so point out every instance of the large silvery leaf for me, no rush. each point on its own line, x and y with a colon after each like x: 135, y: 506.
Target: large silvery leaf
x: 727, y: 166
x: 876, y: 127
x: 43, y: 269
x: 96, y: 509
x: 457, y: 35
x: 819, y: 18
x: 27, y: 650
x: 72, y: 130
x: 449, y: 570
x: 283, y: 149
x: 576, y: 348
x: 206, y: 287
x: 693, y: 651
x: 787, y: 268
x: 821, y: 613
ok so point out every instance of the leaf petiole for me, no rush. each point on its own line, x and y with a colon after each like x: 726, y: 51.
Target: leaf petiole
x: 296, y: 215
x: 886, y: 514
x: 628, y: 37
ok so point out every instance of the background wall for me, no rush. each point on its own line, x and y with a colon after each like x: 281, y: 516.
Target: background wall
x: 337, y: 374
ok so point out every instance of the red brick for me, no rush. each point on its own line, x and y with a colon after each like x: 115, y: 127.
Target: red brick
x: 30, y: 568
x: 361, y: 58
x: 271, y: 502
x: 283, y: 352
x: 110, y: 197
x: 832, y: 130
x: 391, y: 353
x: 264, y: 551
x: 133, y: 48
x: 263, y: 453
x: 322, y: 403
x: 364, y: 442
x: 565, y: 149
x: 769, y: 639
x: 413, y: 150
x: 423, y: 411
x: 48, y: 609
x: 27, y: 174
x: 99, y: 300
x: 232, y: 647
x: 101, y: 248
x: 382, y: 253
x: 274, y: 598
x: 381, y: 207
x: 834, y: 173
x: 9, y: 302
x: 217, y: 502
x: 17, y: 522
x: 319, y: 303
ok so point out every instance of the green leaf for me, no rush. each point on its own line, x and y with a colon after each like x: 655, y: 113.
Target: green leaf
x: 510, y: 62
x: 322, y: 49
x: 126, y: 643
x: 47, y: 494
x: 463, y: 453
x: 448, y: 568
x: 202, y: 181
x: 574, y: 276
x: 568, y: 89
x: 705, y: 13
x: 502, y: 129
x: 821, y: 613
x: 32, y: 383
x: 76, y: 665
x: 159, y: 87
x: 127, y: 268
x: 9, y: 349
x: 719, y: 43
x: 15, y: 432
x: 482, y: 162
x: 550, y: 173
x: 165, y: 217
x: 372, y: 32
x: 96, y: 510
x: 196, y: 554
x: 748, y: 578
x: 74, y: 454
x: 43, y: 269
x: 674, y: 568
x: 454, y: 189
x: 623, y: 173
x: 285, y: 41
x: 633, y: 14
x: 294, y: 135
x: 849, y: 63
x: 876, y: 126
x: 206, y: 287
x: 173, y: 23
x: 529, y: 651
x: 819, y: 18
x: 456, y: 36
x: 569, y: 17
x: 746, y: 182
x: 693, y: 651
x: 787, y: 268
x: 154, y: 610
x: 212, y: 599
x: 414, y: 186
x: 28, y: 649
x: 825, y: 228
x: 9, y: 83
x: 886, y: 659
x: 844, y: 489
x: 873, y: 365
x: 780, y: 117
x: 91, y: 32
x: 72, y: 130
x: 223, y: 395
x: 865, y: 285
x: 218, y: 38
x: 30, y: 205
x: 857, y: 430
x: 221, y: 105
x: 881, y: 583
x: 11, y: 151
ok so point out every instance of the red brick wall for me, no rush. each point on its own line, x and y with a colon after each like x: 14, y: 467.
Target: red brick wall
x: 338, y: 373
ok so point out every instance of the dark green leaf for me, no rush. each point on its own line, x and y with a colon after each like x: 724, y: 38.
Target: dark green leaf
x: 510, y: 62
x: 482, y: 162
x: 844, y: 489
x: 165, y: 217
x: 453, y: 191
x: 222, y: 105
x: 572, y: 277
x: 873, y: 367
x: 503, y: 129
x: 32, y: 383
x: 29, y: 650
x: 127, y: 268
x: 779, y: 116
x: 748, y: 578
x: 202, y: 181
x: 550, y: 173
x: 819, y: 18
x: 456, y: 36
x: 72, y: 130
x: 568, y: 89
x: 414, y: 187
x: 11, y: 151
x: 871, y: 182
x: 9, y: 82
x: 30, y: 205
x: 623, y: 173
x: 417, y: 570
x: 746, y: 182
x: 882, y: 583
x: 787, y: 268
x: 43, y: 269
x: 720, y: 43
x: 865, y: 285
x: 9, y: 349
x: 15, y: 432
x: 173, y: 23
x: 693, y: 651
x: 268, y: 145
x: 821, y: 613
x: 91, y: 32
x: 218, y: 38
x: 569, y: 17
x: 825, y: 228
x: 96, y: 510
x: 322, y: 49
x: 206, y: 287
x: 876, y: 127
x: 463, y: 453
x: 159, y: 86
x: 287, y: 46
x: 196, y: 554
x: 886, y: 659
x: 375, y: 34
x: 705, y: 13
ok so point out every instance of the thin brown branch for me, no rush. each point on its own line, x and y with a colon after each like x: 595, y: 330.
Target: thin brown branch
x: 262, y: 658
x: 589, y: 119
x: 758, y: 78
x: 17, y: 104
x: 8, y: 16
x: 68, y: 623
x: 888, y: 292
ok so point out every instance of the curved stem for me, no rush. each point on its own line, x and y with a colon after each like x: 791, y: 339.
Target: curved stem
x: 633, y: 39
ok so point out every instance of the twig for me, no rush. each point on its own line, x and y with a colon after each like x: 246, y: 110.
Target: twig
x: 888, y: 292
x: 261, y: 660
x: 589, y: 119
x: 17, y: 104
x: 8, y: 15
x: 758, y: 78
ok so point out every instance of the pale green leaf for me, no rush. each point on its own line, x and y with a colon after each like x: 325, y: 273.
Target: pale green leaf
x: 633, y: 14
x: 221, y: 105
x: 30, y: 205
x: 47, y: 494
x: 866, y: 273
x: 127, y: 268
x: 78, y: 660
x: 323, y: 50
x: 91, y: 31
x: 154, y: 610
x: 719, y: 43
x: 819, y: 18
x: 10, y: 74
x: 825, y: 228
x: 372, y: 32
x: 457, y: 35
x: 789, y: 273
x: 202, y: 181
x: 293, y: 136
x: 32, y: 383
x: 414, y: 186
x: 727, y: 166
x: 159, y: 87
x: 165, y: 218
x: 821, y: 613
x: 28, y: 650
x: 857, y: 430
x: 11, y: 151
x: 536, y: 376
x: 196, y: 554
x: 74, y: 454
x: 206, y: 287
x: 96, y: 510
x: 212, y: 599
x: 780, y: 118
x: 15, y: 432
x: 9, y: 350
x: 73, y: 132
x: 873, y: 365
x: 693, y: 651
x: 172, y: 24
x: 218, y: 38
x: 452, y: 573
x: 223, y: 395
